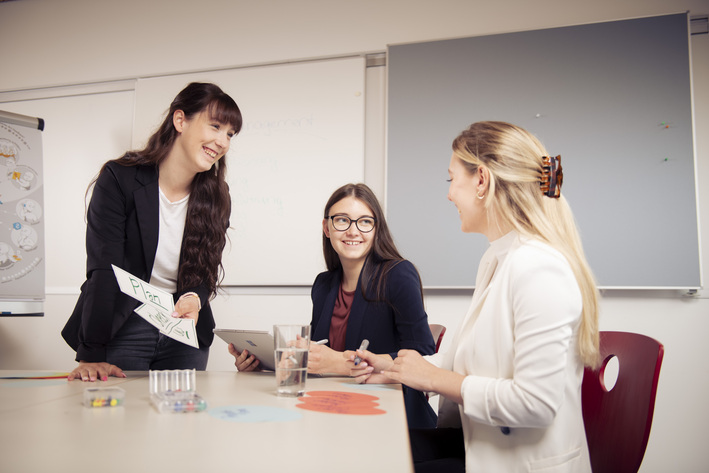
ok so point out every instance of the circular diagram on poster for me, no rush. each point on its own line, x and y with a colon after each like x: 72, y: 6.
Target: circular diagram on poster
x: 24, y: 237
x: 29, y: 211
x: 6, y: 256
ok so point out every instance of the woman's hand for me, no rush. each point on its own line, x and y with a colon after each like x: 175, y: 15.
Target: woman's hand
x: 188, y: 307
x: 244, y: 361
x: 368, y: 370
x: 93, y: 371
x: 324, y: 360
x: 411, y: 369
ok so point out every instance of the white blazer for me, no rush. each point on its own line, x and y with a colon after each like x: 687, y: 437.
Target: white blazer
x: 517, y: 346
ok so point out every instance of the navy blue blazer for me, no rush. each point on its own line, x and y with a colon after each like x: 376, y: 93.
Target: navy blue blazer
x: 399, y: 322
x: 122, y: 229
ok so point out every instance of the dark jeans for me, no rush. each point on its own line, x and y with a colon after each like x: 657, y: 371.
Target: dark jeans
x: 138, y: 346
x: 438, y: 450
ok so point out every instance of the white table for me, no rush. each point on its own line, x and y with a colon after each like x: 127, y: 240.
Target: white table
x: 45, y: 427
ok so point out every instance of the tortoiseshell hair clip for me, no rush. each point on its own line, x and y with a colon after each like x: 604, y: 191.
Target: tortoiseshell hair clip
x: 552, y: 176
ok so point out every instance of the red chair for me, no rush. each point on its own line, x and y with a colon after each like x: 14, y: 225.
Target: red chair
x: 437, y: 331
x: 618, y: 420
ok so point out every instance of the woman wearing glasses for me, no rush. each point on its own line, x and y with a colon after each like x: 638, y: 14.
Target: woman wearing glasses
x: 368, y: 292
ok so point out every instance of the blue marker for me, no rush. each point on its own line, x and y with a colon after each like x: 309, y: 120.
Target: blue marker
x: 362, y: 347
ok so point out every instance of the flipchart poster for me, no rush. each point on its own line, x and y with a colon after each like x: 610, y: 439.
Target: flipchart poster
x: 21, y: 214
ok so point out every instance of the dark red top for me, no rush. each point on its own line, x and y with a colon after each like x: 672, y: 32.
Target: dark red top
x: 340, y: 315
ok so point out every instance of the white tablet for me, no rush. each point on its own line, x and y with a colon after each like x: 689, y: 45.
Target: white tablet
x: 258, y: 343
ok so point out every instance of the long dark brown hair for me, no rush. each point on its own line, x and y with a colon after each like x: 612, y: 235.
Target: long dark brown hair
x: 382, y: 257
x: 209, y: 204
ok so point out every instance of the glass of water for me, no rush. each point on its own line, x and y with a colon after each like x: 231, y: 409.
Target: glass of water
x: 291, y: 343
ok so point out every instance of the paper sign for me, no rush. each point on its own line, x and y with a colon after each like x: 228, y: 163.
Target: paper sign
x: 157, y: 308
x: 253, y: 414
x: 338, y: 402
x: 182, y: 330
x: 144, y: 292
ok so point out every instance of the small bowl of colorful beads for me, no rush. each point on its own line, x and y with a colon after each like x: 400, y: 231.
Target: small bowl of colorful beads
x: 104, y: 397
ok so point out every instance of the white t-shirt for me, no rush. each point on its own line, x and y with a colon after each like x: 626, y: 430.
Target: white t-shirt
x: 167, y: 257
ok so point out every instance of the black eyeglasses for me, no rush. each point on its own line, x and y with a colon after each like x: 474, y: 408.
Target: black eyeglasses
x: 343, y: 222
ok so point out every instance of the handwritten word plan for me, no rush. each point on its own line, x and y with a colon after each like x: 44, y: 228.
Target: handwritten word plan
x: 157, y: 308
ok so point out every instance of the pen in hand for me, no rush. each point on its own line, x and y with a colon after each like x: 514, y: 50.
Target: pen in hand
x: 363, y: 346
x: 322, y: 342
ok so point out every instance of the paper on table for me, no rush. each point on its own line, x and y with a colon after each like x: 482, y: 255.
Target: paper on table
x: 157, y: 308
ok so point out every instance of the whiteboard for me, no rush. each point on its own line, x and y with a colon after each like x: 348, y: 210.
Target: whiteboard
x: 303, y: 137
x: 613, y: 99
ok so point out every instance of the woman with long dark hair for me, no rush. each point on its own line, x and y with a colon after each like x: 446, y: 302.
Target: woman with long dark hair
x: 369, y: 291
x: 160, y: 213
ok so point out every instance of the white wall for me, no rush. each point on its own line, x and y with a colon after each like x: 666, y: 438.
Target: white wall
x: 93, y: 43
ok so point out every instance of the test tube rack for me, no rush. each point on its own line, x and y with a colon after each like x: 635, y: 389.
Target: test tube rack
x: 174, y: 391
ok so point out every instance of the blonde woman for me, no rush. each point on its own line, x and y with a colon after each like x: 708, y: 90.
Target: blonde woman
x: 510, y: 384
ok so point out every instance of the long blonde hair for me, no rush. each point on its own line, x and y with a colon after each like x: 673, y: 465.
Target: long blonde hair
x: 513, y: 158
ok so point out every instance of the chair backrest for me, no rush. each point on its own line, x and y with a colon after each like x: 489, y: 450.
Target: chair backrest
x: 618, y: 420
x: 437, y: 331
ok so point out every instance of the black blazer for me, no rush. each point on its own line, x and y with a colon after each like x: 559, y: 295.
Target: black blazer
x: 400, y: 322
x: 122, y: 229
x: 389, y: 328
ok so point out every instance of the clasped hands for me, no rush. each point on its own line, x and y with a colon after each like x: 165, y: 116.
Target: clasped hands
x: 409, y: 368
